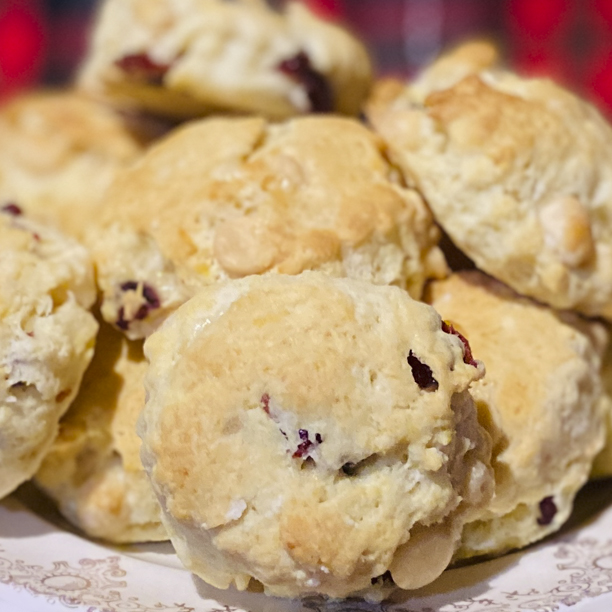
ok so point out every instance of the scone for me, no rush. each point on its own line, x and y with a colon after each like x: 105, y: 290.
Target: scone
x: 187, y: 58
x: 540, y: 400
x: 224, y: 198
x: 470, y: 57
x: 518, y: 172
x: 602, y: 466
x: 312, y: 433
x: 93, y: 469
x: 60, y: 151
x: 46, y: 338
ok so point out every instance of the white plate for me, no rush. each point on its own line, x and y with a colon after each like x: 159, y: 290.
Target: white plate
x: 47, y: 567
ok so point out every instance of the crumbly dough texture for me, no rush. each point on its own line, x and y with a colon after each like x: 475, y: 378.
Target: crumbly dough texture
x: 93, y: 469
x: 46, y: 339
x: 540, y: 400
x: 187, y: 58
x: 288, y: 440
x: 518, y: 172
x: 61, y: 150
x: 225, y: 198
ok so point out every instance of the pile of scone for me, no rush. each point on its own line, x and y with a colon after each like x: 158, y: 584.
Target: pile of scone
x: 321, y: 405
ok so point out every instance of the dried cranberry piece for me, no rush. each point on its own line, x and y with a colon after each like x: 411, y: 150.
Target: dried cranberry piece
x: 12, y: 209
x: 121, y: 321
x: 548, y: 509
x: 150, y: 296
x: 422, y: 374
x: 467, y: 351
x: 140, y: 66
x: 306, y: 444
x: 316, y: 86
x: 265, y: 400
x: 129, y: 286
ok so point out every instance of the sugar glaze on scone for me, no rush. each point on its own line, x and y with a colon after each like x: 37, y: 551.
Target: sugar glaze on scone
x: 60, y: 151
x: 46, y: 338
x: 93, y: 469
x: 312, y: 433
x: 224, y: 198
x: 518, y: 172
x: 540, y: 400
x: 188, y: 58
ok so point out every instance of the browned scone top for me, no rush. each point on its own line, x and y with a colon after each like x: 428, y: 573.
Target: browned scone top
x: 541, y: 401
x: 518, y: 172
x: 60, y: 151
x: 312, y: 433
x: 188, y: 58
x: 225, y: 198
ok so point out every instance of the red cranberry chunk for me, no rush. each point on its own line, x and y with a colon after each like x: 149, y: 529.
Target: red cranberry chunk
x: 151, y: 302
x: 121, y: 321
x: 141, y: 67
x: 548, y: 509
x: 12, y: 209
x: 422, y: 374
x: 306, y: 444
x: 150, y: 295
x: 142, y: 312
x: 316, y: 86
x: 265, y: 402
x: 467, y: 351
x: 129, y: 286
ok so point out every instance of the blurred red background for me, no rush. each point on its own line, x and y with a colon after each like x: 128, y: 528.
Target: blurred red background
x: 570, y: 40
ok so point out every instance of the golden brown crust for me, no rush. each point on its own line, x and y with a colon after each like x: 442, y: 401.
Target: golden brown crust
x: 225, y: 198
x: 189, y: 58
x: 289, y: 441
x: 46, y: 338
x: 540, y: 401
x: 93, y: 469
x: 60, y: 151
x: 518, y: 174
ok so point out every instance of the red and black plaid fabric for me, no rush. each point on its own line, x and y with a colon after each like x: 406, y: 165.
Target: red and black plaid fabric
x: 405, y: 34
x: 41, y: 40
x: 569, y: 40
x: 23, y: 43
